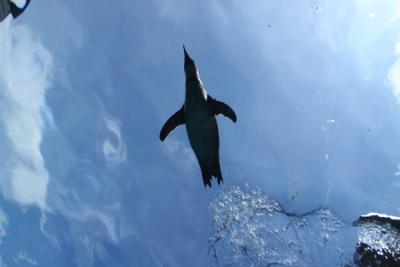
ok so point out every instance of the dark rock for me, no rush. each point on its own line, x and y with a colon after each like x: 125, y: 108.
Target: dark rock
x: 379, y: 241
x: 380, y: 219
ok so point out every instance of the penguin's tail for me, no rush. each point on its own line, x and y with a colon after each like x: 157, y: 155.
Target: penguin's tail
x: 208, y: 173
x: 217, y: 173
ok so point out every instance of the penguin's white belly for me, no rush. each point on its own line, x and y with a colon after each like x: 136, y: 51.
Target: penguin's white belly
x: 202, y: 130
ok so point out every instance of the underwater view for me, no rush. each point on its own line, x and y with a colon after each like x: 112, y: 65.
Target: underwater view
x: 199, y: 133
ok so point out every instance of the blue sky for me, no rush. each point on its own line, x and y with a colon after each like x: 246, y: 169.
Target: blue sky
x: 86, y: 87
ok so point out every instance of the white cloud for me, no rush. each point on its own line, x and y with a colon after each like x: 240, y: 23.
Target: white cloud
x: 109, y: 218
x: 372, y: 15
x: 394, y: 75
x: 2, y: 264
x: 25, y: 67
x: 178, y: 150
x: 3, y: 224
x: 114, y: 152
x: 398, y: 172
x: 22, y: 258
x: 398, y: 48
x: 393, y: 19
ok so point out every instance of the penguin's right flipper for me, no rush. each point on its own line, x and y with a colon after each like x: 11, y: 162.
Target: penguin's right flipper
x: 219, y: 107
x: 207, y: 176
x: 174, y: 121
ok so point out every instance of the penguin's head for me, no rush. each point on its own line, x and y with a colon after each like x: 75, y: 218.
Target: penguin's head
x: 190, y: 66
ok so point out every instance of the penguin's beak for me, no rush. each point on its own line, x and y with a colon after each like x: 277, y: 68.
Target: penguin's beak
x: 187, y: 57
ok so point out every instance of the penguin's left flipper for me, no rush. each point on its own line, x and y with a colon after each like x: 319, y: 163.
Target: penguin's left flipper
x: 219, y: 107
x: 174, y: 121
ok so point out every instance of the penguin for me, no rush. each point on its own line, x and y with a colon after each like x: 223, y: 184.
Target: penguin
x: 198, y: 115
